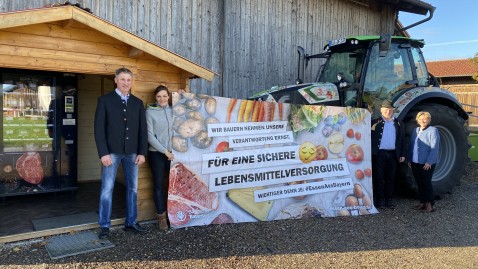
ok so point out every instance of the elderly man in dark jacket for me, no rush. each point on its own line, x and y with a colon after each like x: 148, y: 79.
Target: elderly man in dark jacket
x: 388, y: 148
x: 121, y: 137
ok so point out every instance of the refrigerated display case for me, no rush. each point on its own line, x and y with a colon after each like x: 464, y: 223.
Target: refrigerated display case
x: 38, y: 148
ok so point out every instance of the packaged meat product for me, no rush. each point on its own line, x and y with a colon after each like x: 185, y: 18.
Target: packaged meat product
x: 188, y: 195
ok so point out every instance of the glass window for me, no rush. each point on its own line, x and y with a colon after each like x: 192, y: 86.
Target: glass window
x: 27, y: 110
x: 348, y: 65
x: 421, y: 67
x: 385, y: 76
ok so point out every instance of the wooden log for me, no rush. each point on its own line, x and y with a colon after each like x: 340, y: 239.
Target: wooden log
x: 55, y: 30
x: 29, y: 17
x: 62, y: 44
x: 22, y: 62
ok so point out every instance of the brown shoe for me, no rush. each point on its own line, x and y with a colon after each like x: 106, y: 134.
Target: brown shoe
x: 428, y: 208
x: 163, y: 221
x: 420, y: 206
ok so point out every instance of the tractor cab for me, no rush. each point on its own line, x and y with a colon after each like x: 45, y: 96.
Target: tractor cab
x: 359, y: 71
x: 370, y: 69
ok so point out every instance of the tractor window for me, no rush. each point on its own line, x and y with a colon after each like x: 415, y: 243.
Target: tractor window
x: 385, y: 76
x: 348, y: 65
x: 422, y: 73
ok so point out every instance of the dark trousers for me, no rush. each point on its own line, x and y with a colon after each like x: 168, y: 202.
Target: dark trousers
x: 424, y: 182
x: 160, y: 165
x: 384, y: 169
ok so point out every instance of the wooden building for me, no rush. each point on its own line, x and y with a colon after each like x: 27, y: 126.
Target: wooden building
x: 457, y: 76
x: 251, y: 44
x: 69, y: 39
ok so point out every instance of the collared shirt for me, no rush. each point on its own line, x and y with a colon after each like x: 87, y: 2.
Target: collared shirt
x: 389, y: 135
x: 123, y: 97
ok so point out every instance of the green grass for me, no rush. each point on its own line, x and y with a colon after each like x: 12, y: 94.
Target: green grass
x: 21, y: 131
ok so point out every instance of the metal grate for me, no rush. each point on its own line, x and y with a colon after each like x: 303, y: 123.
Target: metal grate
x: 70, y: 245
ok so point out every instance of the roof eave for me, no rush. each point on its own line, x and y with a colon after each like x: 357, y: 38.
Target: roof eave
x: 413, y: 6
x: 454, y: 76
x: 46, y: 15
x: 25, y: 17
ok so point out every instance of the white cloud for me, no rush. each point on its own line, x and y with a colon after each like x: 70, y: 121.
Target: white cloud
x: 453, y: 43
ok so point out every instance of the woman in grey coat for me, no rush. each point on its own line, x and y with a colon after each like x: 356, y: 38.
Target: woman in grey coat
x: 423, y: 157
x: 159, y: 119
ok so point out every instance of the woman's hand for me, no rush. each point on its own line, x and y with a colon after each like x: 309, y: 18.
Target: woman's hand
x: 170, y: 155
x: 427, y: 166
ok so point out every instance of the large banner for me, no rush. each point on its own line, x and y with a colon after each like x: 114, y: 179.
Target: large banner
x: 244, y: 160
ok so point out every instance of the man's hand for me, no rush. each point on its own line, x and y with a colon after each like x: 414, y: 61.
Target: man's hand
x: 106, y: 160
x: 402, y: 159
x: 139, y: 159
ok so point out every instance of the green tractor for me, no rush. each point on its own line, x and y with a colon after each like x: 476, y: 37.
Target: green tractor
x: 362, y: 71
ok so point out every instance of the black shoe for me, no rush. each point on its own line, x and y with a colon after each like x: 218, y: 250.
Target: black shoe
x: 104, y: 233
x: 380, y: 204
x: 390, y: 205
x: 135, y: 228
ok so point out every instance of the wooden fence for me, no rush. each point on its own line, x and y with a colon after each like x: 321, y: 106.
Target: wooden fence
x: 467, y: 95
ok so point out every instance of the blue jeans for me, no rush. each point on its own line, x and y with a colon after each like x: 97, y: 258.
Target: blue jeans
x: 108, y: 176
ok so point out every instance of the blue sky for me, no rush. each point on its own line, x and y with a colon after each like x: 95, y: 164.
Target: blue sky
x: 452, y: 33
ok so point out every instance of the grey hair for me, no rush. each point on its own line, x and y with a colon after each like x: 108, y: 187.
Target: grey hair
x: 123, y: 70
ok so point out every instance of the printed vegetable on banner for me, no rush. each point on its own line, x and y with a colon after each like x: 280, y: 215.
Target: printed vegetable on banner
x: 246, y: 160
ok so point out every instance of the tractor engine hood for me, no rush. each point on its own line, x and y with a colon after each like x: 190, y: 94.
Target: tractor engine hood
x: 319, y: 93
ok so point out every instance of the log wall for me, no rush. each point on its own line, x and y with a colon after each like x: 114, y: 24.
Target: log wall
x: 94, y: 56
x: 251, y: 44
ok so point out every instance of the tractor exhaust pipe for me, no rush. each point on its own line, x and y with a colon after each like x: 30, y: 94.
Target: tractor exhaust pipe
x: 300, y: 65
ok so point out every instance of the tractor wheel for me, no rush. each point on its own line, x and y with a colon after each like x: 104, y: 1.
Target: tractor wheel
x: 453, y: 149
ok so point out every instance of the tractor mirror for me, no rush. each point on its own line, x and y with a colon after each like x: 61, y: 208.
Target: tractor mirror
x: 384, y: 45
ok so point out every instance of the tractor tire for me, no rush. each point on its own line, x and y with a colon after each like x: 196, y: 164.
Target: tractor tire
x: 453, y: 149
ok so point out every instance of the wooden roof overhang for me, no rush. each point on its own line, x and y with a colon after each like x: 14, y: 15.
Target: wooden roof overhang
x: 70, y: 13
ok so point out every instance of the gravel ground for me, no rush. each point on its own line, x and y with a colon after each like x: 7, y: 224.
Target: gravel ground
x: 400, y: 238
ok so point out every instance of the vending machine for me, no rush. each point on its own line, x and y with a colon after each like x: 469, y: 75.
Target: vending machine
x: 38, y: 147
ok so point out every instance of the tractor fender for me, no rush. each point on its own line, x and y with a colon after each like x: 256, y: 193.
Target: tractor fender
x: 449, y: 117
x: 412, y: 97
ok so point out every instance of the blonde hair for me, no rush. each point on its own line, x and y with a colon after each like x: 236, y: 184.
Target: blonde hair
x: 423, y: 113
